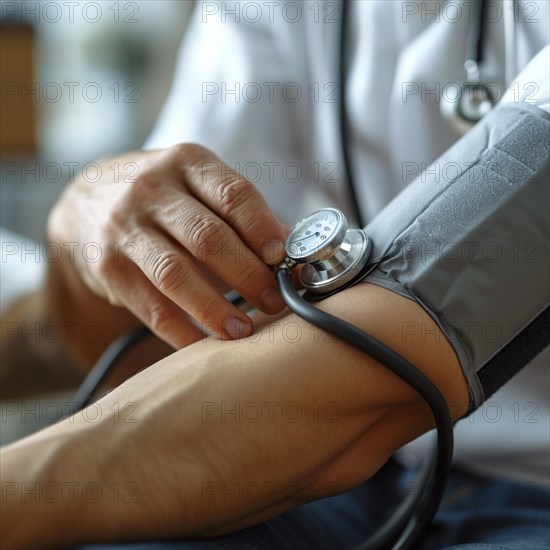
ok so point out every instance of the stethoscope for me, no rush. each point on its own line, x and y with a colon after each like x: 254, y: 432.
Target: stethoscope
x: 333, y: 257
x: 461, y: 105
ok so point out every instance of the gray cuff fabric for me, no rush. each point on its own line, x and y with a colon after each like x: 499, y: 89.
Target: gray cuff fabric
x: 469, y: 241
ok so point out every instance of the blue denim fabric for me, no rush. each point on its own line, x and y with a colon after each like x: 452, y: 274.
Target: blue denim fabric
x: 477, y: 513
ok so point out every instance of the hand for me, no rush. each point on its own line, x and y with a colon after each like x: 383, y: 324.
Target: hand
x: 170, y: 226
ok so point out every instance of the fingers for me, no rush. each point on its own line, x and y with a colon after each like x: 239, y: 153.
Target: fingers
x: 185, y: 209
x: 218, y: 247
x: 174, y: 275
x: 234, y: 199
x: 134, y: 292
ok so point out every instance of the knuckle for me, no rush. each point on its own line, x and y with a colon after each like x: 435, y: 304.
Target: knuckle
x: 106, y: 286
x: 196, y: 163
x: 106, y: 269
x: 205, y: 233
x: 113, y: 298
x: 207, y: 308
x: 188, y: 152
x: 137, y: 194
x: 246, y: 276
x: 115, y: 220
x: 159, y: 317
x: 185, y: 149
x: 234, y: 192
x: 168, y: 273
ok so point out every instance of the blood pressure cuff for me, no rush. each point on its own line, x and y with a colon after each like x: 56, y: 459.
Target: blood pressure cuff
x: 469, y: 241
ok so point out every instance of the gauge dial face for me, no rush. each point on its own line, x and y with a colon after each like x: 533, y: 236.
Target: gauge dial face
x: 313, y: 233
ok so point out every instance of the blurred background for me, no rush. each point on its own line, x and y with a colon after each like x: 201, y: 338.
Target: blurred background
x: 79, y: 81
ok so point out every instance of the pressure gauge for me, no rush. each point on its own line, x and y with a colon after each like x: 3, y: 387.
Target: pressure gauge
x: 334, y: 255
x: 317, y: 236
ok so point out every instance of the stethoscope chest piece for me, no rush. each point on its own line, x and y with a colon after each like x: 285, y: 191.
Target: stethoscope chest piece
x: 334, y: 255
x: 464, y: 106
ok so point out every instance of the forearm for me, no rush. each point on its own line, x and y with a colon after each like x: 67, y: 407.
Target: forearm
x: 292, y: 421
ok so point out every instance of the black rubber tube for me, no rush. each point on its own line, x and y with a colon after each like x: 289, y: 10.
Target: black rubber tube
x: 414, y: 515
x: 110, y: 357
x: 104, y: 365
x: 343, y: 118
x: 406, y: 525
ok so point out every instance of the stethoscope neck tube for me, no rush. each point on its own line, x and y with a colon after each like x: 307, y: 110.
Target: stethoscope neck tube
x: 404, y: 529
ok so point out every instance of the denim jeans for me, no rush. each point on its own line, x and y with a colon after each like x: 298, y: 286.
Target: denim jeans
x: 477, y: 513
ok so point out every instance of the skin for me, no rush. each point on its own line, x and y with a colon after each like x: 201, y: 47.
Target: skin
x: 174, y: 461
x: 175, y: 229
x: 162, y: 438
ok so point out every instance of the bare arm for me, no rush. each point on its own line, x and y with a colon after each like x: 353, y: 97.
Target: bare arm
x: 313, y: 415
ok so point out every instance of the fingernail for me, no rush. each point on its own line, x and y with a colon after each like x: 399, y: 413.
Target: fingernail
x: 236, y: 328
x: 271, y: 299
x: 273, y: 252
